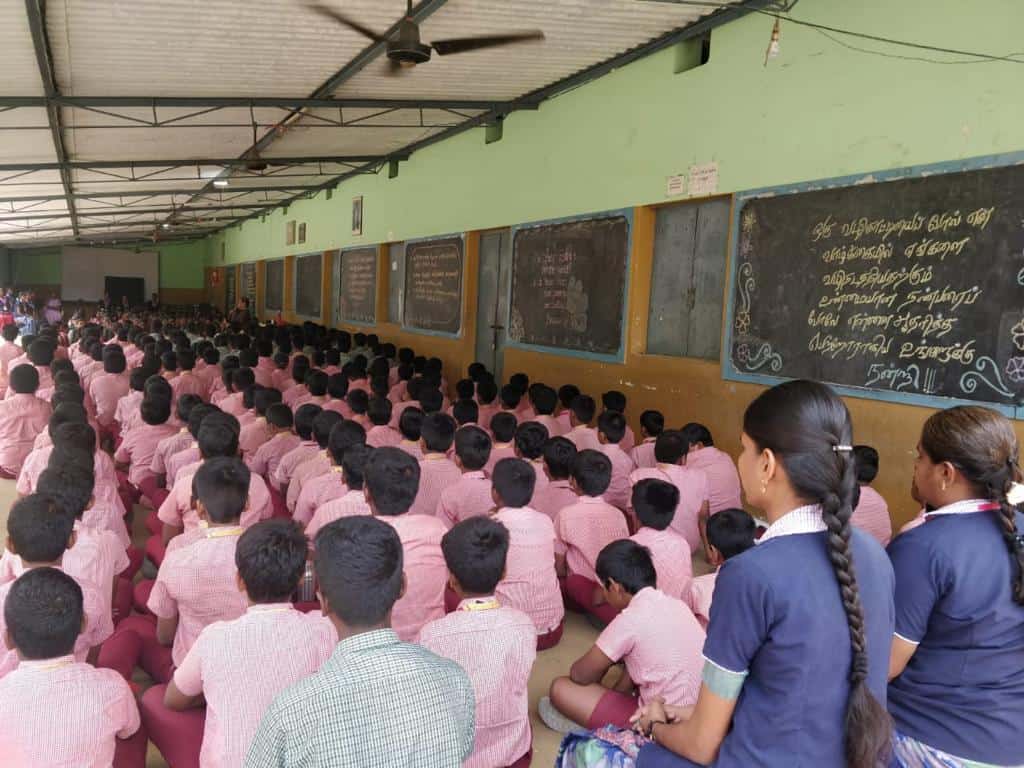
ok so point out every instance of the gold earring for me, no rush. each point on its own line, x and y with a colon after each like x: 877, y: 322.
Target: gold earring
x: 764, y: 487
x: 943, y: 487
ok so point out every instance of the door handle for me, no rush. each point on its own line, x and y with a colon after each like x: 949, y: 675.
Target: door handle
x: 497, y: 327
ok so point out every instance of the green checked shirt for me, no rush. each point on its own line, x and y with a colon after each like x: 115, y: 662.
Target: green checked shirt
x: 376, y: 702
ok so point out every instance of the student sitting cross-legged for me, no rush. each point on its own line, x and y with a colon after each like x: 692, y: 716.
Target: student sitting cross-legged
x: 655, y: 636
x: 377, y: 702
x: 237, y: 667
x: 484, y: 637
x: 353, y: 500
x: 729, y: 533
x: 471, y: 494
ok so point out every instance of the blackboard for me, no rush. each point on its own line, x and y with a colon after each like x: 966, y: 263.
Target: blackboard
x: 309, y: 285
x: 568, y: 284
x: 433, y: 285
x: 274, y: 286
x: 230, y: 293
x: 248, y: 287
x: 357, y: 289
x: 909, y: 288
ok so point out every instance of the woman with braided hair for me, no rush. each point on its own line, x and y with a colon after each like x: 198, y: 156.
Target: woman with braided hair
x: 801, y: 626
x: 957, y: 668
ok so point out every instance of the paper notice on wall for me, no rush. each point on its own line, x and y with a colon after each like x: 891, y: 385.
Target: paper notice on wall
x: 675, y: 185
x: 703, y: 180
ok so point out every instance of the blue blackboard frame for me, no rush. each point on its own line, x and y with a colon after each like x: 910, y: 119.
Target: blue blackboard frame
x: 336, y: 287
x: 729, y: 371
x: 619, y: 355
x: 461, y: 236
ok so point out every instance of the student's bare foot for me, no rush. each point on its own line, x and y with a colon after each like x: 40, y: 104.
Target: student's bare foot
x: 555, y: 720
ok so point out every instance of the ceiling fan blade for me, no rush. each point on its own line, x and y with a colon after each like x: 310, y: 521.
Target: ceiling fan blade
x: 464, y: 44
x: 332, y: 14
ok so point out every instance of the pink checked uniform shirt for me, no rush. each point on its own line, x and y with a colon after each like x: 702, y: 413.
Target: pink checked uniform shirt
x: 187, y: 383
x: 723, y: 479
x: 672, y: 562
x: 241, y: 665
x: 643, y: 454
x: 383, y: 436
x: 530, y: 582
x: 106, y: 390
x: 499, y: 451
x: 139, y: 447
x: 316, y: 465
x: 872, y: 515
x: 496, y: 645
x: 169, y: 446
x: 198, y: 584
x: 22, y: 418
x: 469, y: 497
x: 693, y: 492
x: 551, y: 423
x: 412, y: 447
x: 282, y: 476
x: 178, y: 461
x: 619, y: 490
x: 584, y: 529
x: 437, y: 473
x: 266, y: 458
x: 127, y: 408
x: 660, y: 642
x: 554, y: 497
x: 316, y: 492
x: 584, y: 438
x: 253, y: 435
x: 425, y: 572
x: 177, y: 508
x: 105, y: 490
x: 351, y: 504
x: 702, y: 590
x: 57, y: 712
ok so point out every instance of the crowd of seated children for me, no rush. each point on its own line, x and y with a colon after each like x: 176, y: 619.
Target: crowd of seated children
x: 320, y: 489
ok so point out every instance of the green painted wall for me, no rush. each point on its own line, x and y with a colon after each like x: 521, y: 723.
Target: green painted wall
x: 819, y: 110
x: 36, y: 266
x: 181, y: 265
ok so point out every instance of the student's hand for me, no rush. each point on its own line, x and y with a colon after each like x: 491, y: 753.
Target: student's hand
x: 652, y: 712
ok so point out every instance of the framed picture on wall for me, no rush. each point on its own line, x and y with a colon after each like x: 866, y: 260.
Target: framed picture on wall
x: 357, y: 215
x: 302, y: 232
x: 289, y: 233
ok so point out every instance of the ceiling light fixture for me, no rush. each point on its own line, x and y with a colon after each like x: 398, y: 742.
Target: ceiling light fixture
x: 220, y: 182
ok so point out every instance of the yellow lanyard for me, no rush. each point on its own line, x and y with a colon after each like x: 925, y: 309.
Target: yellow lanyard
x: 481, y: 604
x: 219, y: 533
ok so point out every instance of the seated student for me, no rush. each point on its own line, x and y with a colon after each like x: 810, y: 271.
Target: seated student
x: 280, y: 427
x: 420, y: 704
x: 353, y: 500
x: 586, y: 527
x: 410, y: 427
x: 317, y: 464
x: 316, y: 389
x: 390, y: 482
x: 566, y: 394
x: 465, y: 413
x: 396, y: 393
x: 135, y: 454
x: 107, y: 389
x: 412, y: 400
x: 509, y: 398
x: 187, y: 382
x: 247, y: 661
x: 322, y: 488
x: 471, y: 494
x: 870, y: 513
x: 723, y: 479
x: 129, y: 403
x: 669, y: 450
x: 529, y: 441
x: 464, y: 390
x: 258, y: 431
x: 190, y: 454
x: 358, y: 402
x: 611, y: 426
x: 9, y: 351
x: 22, y: 417
x: 169, y: 364
x: 307, y: 448
x: 582, y: 435
x: 559, y: 455
x: 234, y: 403
x: 172, y: 444
x: 545, y: 400
x: 40, y: 356
x: 613, y: 400
x: 197, y: 581
x: 475, y: 552
x: 378, y: 411
x: 655, y: 636
x: 655, y: 503
x: 208, y: 371
x: 437, y: 471
x: 524, y: 411
x: 281, y: 378
x: 486, y: 396
x: 652, y: 424
x: 431, y: 398
x: 530, y: 583
x: 731, y: 532
x: 40, y: 723
x: 503, y: 427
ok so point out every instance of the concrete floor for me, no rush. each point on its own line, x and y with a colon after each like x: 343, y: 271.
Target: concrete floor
x: 576, y: 640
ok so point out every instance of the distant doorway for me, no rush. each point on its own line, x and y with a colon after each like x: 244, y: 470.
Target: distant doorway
x: 134, y: 288
x: 492, y: 299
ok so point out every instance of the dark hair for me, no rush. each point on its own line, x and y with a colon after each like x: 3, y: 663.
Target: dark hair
x: 510, y: 396
x: 437, y: 432
x: 77, y: 435
x: 186, y: 403
x: 670, y: 447
x: 982, y: 445
x: 114, y: 363
x: 696, y: 433
x: 465, y: 411
x: 155, y: 409
x: 544, y: 399
x: 68, y: 481
x: 612, y: 425
x: 731, y: 532
x: 344, y: 435
x: 514, y: 481
x: 198, y: 414
x: 431, y: 399
x: 169, y: 360
x: 473, y: 447
x: 305, y: 415
x: 464, y: 389
x: 358, y: 400
x: 801, y: 422
x: 559, y: 455
x: 393, y: 478
x: 316, y: 383
x: 265, y: 397
x: 410, y: 423
x: 39, y: 528
x: 378, y: 410
x: 218, y: 436
x: 157, y: 385
x: 186, y: 360
x: 592, y: 471
x: 222, y: 485
x: 270, y: 558
x: 337, y: 386
x: 24, y: 379
x: 655, y: 503
x: 653, y: 422
x: 137, y: 379
x: 503, y: 426
x: 865, y: 462
x: 486, y: 391
x: 628, y: 564
x: 359, y: 562
x: 10, y: 332
x: 43, y: 612
x: 324, y: 422
x: 475, y: 552
x: 279, y: 415
x: 353, y: 465
x: 583, y: 408
x: 66, y: 413
x: 567, y: 393
x: 530, y: 438
x: 40, y: 352
x: 613, y: 400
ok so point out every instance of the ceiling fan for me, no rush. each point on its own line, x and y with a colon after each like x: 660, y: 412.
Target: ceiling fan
x: 404, y: 48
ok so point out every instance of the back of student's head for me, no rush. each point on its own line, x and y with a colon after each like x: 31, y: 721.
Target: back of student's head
x: 43, y: 613
x: 62, y: 365
x: 40, y: 352
x: 510, y: 396
x: 359, y: 563
x: 67, y: 393
x: 410, y: 423
x: 169, y: 360
x: 392, y: 478
x: 358, y: 401
x: 248, y: 358
x: 473, y: 447
x: 305, y: 415
x: 242, y: 379
x: 155, y: 409
x: 544, y: 399
x: 670, y: 447
x: 218, y: 436
x: 137, y: 379
x: 68, y: 482
x: 197, y: 416
x: 655, y: 502
x: 614, y: 400
x: 627, y: 564
x: 211, y: 356
x: 353, y: 465
x: 437, y: 432
x: 158, y: 386
x: 431, y: 399
x: 24, y: 379
x: 280, y: 415
x: 222, y: 486
x: 265, y: 397
x: 66, y: 413
x: 475, y: 552
x: 300, y: 367
x: 378, y: 411
x: 612, y: 424
x: 486, y: 390
x: 324, y: 422
x: 567, y: 393
x: 271, y: 558
x: 530, y: 438
x: 652, y: 422
x: 114, y: 363
x: 344, y: 435
x: 465, y: 389
x: 503, y: 426
x: 559, y: 456
x: 520, y: 381
x: 592, y: 471
x: 10, y: 332
x: 316, y: 383
x: 865, y: 462
x: 465, y: 412
x: 337, y: 386
x: 514, y: 480
x: 186, y: 403
x: 186, y: 360
x: 583, y: 408
x: 731, y: 532
x: 39, y: 528
x: 694, y: 433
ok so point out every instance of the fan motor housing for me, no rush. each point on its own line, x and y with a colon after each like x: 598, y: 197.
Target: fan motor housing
x: 408, y: 52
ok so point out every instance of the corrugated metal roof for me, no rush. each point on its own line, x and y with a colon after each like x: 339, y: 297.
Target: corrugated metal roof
x: 17, y: 54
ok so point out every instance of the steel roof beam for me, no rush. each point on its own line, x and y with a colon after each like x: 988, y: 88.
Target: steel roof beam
x: 246, y: 102
x: 298, y: 188
x: 85, y: 165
